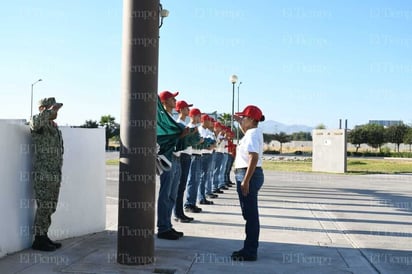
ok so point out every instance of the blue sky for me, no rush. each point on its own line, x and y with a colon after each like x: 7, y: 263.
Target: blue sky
x: 302, y: 62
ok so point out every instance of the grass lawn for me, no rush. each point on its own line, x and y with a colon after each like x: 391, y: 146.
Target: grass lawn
x: 112, y: 162
x: 355, y: 166
x: 379, y: 166
x: 297, y: 166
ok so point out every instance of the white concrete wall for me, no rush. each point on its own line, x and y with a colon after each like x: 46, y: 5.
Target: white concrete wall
x: 329, y: 150
x: 81, y: 208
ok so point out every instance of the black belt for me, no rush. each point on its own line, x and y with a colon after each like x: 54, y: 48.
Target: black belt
x: 245, y: 168
x: 196, y: 154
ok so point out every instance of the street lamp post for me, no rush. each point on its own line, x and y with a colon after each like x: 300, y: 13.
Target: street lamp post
x: 31, y: 101
x: 237, y: 132
x: 233, y: 80
x: 238, y: 95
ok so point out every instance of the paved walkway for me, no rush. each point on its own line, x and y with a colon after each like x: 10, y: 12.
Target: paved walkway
x: 310, y: 223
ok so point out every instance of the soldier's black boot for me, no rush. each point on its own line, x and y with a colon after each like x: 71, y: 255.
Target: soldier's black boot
x: 56, y: 244
x: 41, y: 243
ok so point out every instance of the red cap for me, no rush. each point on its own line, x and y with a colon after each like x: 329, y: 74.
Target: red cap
x: 252, y: 112
x: 205, y: 117
x: 217, y: 124
x: 194, y: 112
x: 164, y: 95
x: 182, y: 104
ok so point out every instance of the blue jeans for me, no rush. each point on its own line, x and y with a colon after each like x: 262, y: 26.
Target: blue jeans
x: 222, y: 170
x: 185, y: 160
x: 169, y: 182
x: 217, y: 179
x: 228, y: 167
x: 249, y: 206
x: 193, y: 180
x: 205, y: 178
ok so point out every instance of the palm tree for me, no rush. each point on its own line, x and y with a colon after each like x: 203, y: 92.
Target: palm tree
x: 225, y: 118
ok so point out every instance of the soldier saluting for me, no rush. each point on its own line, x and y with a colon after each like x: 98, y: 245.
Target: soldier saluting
x: 47, y: 165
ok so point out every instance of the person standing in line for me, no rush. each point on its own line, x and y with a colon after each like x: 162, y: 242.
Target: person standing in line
x: 47, y: 170
x: 206, y: 159
x: 193, y: 178
x: 168, y: 186
x: 221, y: 172
x: 249, y: 178
x: 185, y: 158
x: 231, y: 154
x: 217, y: 180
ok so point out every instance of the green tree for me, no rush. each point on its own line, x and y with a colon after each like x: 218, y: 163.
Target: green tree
x: 282, y: 138
x: 112, y: 128
x: 375, y: 135
x: 90, y: 124
x: 358, y: 136
x: 396, y: 134
x: 407, y: 139
x: 225, y: 118
x: 301, y: 136
x: 267, y: 138
x: 320, y: 126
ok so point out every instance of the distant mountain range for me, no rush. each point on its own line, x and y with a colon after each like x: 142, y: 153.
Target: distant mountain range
x: 273, y: 127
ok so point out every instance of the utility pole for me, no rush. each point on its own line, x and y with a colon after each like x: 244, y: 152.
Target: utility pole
x: 137, y: 177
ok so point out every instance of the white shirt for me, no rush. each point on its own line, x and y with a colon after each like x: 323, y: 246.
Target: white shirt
x: 206, y: 133
x: 251, y: 142
x: 226, y: 144
x: 187, y: 150
x: 220, y: 143
x: 178, y: 120
x: 192, y: 150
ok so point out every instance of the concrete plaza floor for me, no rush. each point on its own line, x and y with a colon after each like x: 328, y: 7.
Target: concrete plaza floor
x: 310, y: 223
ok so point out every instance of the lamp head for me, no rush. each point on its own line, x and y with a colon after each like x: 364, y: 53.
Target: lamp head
x: 233, y: 79
x: 164, y: 13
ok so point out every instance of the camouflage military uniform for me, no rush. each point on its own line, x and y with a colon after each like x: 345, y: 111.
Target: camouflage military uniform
x: 47, y: 164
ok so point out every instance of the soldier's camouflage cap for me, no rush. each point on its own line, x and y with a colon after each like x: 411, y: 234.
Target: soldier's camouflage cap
x: 48, y: 102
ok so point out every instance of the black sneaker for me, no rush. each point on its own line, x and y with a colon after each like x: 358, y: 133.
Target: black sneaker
x: 193, y: 209
x: 218, y: 191
x: 212, y: 196
x: 205, y: 202
x: 178, y: 233
x: 183, y: 219
x: 223, y: 188
x: 188, y: 218
x: 168, y: 235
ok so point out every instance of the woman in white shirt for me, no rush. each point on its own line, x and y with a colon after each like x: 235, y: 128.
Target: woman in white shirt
x: 249, y: 178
